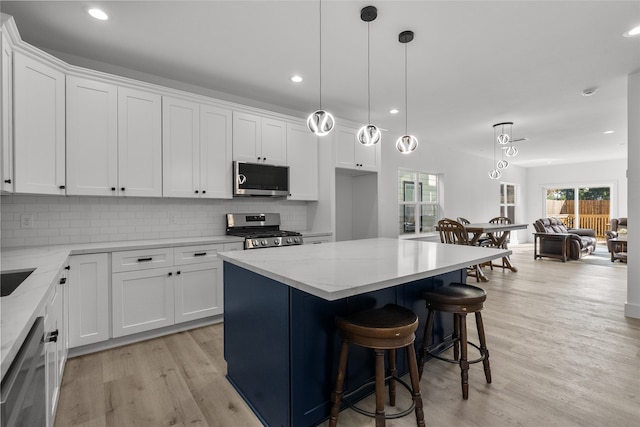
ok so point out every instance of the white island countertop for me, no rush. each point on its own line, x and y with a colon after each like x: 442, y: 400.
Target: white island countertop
x: 341, y: 269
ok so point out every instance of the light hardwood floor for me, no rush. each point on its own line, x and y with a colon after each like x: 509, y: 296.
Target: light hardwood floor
x: 562, y: 354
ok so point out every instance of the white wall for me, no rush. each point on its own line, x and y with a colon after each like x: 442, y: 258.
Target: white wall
x: 468, y: 190
x: 609, y: 173
x: 632, y: 307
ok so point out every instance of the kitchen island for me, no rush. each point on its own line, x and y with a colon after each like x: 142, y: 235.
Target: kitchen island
x: 280, y: 341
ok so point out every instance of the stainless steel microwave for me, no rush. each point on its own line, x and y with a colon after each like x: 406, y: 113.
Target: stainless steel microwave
x: 259, y: 179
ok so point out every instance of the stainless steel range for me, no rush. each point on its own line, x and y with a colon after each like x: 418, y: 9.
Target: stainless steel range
x: 261, y: 230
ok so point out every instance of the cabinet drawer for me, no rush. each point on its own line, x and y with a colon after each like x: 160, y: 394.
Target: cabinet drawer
x: 196, y: 254
x: 143, y: 259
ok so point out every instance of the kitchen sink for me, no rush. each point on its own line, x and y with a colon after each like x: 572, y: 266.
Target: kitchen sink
x: 10, y: 280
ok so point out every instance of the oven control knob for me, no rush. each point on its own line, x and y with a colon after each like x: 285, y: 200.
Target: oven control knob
x: 296, y: 239
x: 263, y: 242
x: 256, y: 243
x: 289, y: 241
x: 277, y: 241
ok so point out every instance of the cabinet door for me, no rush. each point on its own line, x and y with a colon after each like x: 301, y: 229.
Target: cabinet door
x: 367, y: 156
x: 53, y: 328
x: 198, y: 291
x: 6, y: 119
x: 215, y: 152
x: 39, y: 127
x: 139, y: 143
x: 88, y: 296
x: 302, y: 157
x: 344, y: 146
x: 247, y: 135
x: 180, y: 148
x: 274, y: 141
x: 142, y: 300
x: 92, y: 137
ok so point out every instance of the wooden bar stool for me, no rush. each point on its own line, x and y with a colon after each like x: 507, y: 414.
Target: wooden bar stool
x: 388, y: 328
x: 459, y: 299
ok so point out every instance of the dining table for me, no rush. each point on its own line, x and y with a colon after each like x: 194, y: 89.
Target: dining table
x: 498, y: 233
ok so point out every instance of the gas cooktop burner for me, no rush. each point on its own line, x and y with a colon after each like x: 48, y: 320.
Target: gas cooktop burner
x: 261, y: 230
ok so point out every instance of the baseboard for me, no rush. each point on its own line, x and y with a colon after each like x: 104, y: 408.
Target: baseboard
x: 632, y: 310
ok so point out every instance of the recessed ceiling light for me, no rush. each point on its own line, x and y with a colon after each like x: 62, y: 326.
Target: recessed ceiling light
x: 632, y: 32
x: 589, y: 92
x: 608, y: 132
x: 98, y: 14
x: 394, y: 111
x: 296, y: 79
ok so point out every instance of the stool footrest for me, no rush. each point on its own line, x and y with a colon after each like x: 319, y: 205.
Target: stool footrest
x: 373, y: 414
x: 483, y: 355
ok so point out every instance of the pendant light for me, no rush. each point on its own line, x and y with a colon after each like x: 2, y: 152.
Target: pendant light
x: 406, y: 143
x: 369, y: 134
x: 502, y: 138
x: 320, y: 122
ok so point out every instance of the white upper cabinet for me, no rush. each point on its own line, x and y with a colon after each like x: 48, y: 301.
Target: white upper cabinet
x: 196, y: 149
x: 139, y: 143
x: 215, y: 152
x: 113, y: 140
x: 302, y: 156
x: 258, y: 139
x: 6, y: 118
x: 92, y: 137
x: 39, y: 127
x: 350, y: 154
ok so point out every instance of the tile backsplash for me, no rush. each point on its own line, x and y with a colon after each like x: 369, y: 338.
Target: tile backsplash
x: 33, y: 220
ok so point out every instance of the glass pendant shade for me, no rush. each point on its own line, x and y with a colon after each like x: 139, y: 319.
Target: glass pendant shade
x: 503, y: 139
x: 511, y: 151
x: 502, y: 164
x: 320, y: 122
x: 406, y: 144
x: 495, y: 174
x: 369, y: 135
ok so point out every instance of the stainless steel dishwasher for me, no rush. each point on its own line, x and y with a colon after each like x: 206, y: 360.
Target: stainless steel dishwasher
x: 23, y: 390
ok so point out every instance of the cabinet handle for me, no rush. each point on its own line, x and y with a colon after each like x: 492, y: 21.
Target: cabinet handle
x: 113, y: 188
x: 122, y: 188
x: 204, y: 191
x: 170, y: 274
x: 197, y: 191
x: 264, y: 159
x: 68, y: 267
x: 52, y: 337
x: 62, y: 187
x: 63, y: 280
x: 259, y: 158
x: 178, y: 272
x: 145, y: 259
x: 8, y: 181
x: 200, y: 254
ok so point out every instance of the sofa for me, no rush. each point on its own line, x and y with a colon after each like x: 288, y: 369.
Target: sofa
x: 617, y: 225
x: 579, y: 242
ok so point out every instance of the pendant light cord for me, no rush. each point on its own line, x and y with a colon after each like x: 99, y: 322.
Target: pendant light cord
x: 406, y: 109
x: 368, y: 76
x: 320, y: 70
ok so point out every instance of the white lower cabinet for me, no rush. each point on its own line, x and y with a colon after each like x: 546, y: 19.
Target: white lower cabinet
x: 55, y: 339
x: 88, y: 298
x: 155, y: 288
x: 142, y: 300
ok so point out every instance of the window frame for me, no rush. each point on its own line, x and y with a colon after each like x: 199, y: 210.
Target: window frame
x: 417, y: 204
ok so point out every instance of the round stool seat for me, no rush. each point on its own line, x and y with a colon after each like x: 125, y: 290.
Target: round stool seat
x: 391, y: 326
x: 456, y: 297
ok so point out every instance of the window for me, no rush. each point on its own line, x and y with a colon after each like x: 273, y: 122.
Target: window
x: 418, y: 201
x: 508, y: 201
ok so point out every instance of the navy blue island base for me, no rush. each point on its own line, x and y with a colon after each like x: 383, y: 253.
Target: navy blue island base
x: 281, y: 344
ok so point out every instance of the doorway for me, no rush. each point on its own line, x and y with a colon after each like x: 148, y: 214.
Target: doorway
x: 581, y: 207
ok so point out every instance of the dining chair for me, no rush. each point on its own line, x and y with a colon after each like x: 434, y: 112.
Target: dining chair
x: 499, y: 239
x: 453, y: 232
x: 482, y: 241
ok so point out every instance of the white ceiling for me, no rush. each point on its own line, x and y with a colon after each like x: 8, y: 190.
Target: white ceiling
x: 471, y: 64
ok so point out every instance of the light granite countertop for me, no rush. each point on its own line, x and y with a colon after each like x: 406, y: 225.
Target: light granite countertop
x: 19, y: 310
x: 341, y: 269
